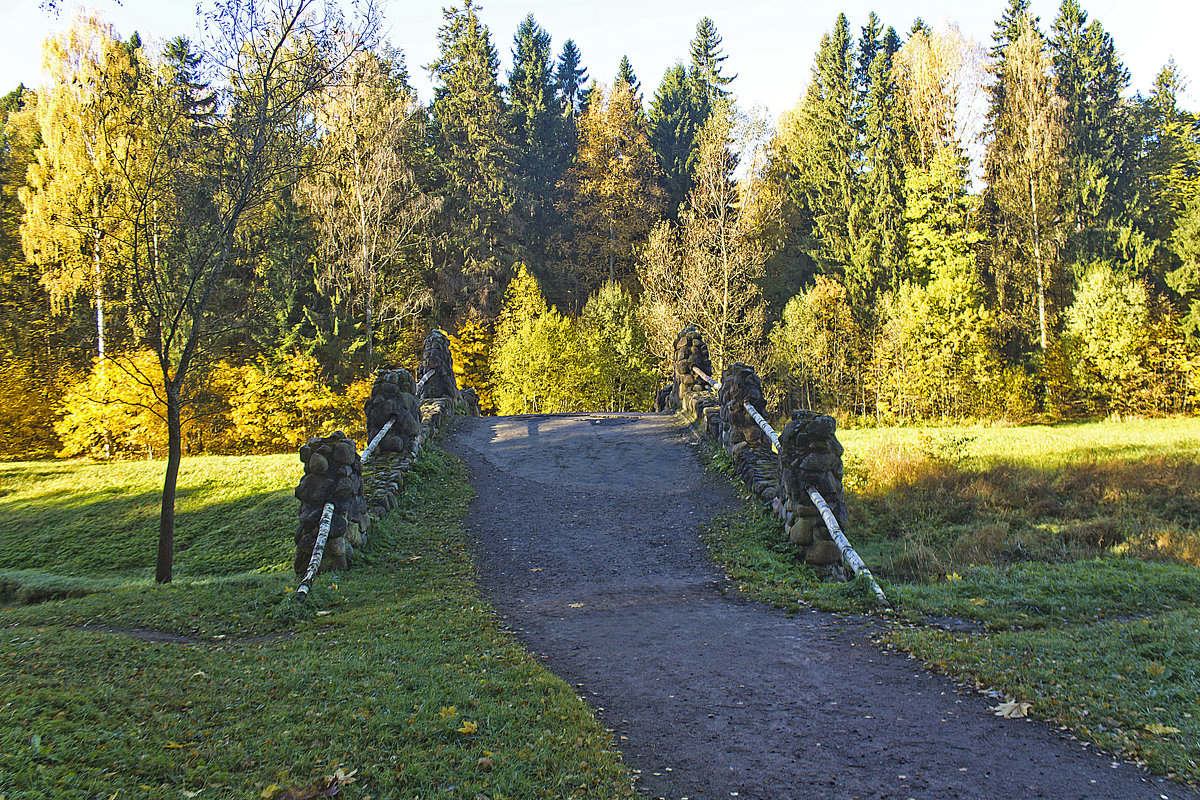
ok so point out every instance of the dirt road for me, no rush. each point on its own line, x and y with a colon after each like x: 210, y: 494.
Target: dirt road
x: 588, y: 531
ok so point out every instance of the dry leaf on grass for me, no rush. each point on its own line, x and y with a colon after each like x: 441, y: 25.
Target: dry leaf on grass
x: 1013, y: 709
x: 1158, y: 729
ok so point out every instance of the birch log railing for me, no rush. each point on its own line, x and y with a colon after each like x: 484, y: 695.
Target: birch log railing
x: 314, y: 563
x: 337, y: 506
x: 789, y: 510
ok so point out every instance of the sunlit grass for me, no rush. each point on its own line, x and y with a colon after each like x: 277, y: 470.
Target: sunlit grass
x: 234, y: 513
x: 396, y: 670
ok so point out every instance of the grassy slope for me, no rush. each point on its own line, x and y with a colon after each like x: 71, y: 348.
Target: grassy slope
x: 1105, y: 644
x: 396, y: 670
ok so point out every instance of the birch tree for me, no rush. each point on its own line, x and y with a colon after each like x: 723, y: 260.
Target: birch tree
x: 370, y: 211
x: 193, y: 187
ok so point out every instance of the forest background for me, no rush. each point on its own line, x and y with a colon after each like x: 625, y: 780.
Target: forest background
x: 563, y: 228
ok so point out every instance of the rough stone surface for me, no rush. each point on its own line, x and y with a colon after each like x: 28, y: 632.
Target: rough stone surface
x: 333, y: 474
x: 392, y: 397
x: 436, y: 358
x: 587, y: 528
x: 811, y: 455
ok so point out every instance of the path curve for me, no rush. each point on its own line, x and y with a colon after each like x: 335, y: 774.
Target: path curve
x: 589, y: 548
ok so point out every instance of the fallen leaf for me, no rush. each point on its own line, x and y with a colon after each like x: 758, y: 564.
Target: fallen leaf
x: 324, y: 613
x: 448, y: 711
x: 978, y: 601
x: 173, y: 746
x: 1013, y: 709
x: 953, y: 576
x: 468, y: 727
x: 1155, y: 669
x: 1159, y: 729
x: 271, y: 791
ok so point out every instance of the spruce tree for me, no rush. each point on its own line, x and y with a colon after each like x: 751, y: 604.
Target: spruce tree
x: 878, y: 261
x: 544, y: 139
x: 675, y: 122
x: 472, y: 142
x: 571, y: 77
x: 830, y: 163
x: 705, y: 73
x: 1089, y: 78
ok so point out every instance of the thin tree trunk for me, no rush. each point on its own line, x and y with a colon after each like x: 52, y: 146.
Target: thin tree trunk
x: 98, y: 289
x: 1041, y: 272
x: 166, y: 520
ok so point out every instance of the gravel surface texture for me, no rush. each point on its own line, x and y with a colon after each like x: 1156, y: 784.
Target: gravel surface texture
x: 588, y: 529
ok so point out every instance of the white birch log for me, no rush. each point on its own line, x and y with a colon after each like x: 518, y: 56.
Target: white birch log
x: 702, y: 375
x: 314, y: 563
x: 424, y: 379
x: 766, y: 426
x: 370, y: 451
x: 849, y: 555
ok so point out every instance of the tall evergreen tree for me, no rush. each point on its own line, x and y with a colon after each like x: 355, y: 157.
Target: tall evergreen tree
x: 707, y: 57
x: 543, y: 136
x: 1089, y: 78
x: 879, y: 258
x: 472, y: 142
x: 831, y: 168
x: 675, y: 122
x: 571, y: 77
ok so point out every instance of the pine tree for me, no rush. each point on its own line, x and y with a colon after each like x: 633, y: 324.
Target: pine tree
x: 1090, y: 78
x: 544, y: 139
x: 675, y: 122
x: 474, y: 165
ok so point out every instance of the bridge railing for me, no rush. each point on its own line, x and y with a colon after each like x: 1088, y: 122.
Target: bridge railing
x: 797, y: 472
x: 340, y: 501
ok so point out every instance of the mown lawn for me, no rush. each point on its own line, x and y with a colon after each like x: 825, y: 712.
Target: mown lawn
x: 1058, y: 564
x: 393, y: 673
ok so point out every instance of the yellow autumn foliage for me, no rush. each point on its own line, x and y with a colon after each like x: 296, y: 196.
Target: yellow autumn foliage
x: 278, y: 404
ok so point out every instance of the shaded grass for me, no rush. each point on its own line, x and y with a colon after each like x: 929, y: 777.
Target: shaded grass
x: 101, y: 520
x: 1033, y: 562
x: 395, y: 669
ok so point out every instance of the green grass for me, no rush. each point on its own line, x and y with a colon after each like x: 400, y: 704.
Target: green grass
x: 101, y: 520
x: 395, y: 669
x: 1016, y: 571
x: 1035, y: 445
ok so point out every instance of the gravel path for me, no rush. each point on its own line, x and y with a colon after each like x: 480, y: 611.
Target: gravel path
x: 587, y: 527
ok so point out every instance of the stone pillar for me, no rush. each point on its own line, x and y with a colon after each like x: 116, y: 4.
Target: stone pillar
x: 470, y: 399
x: 740, y: 384
x: 332, y: 474
x: 740, y: 435
x: 392, y: 396
x: 694, y: 395
x: 436, y: 357
x: 810, y: 455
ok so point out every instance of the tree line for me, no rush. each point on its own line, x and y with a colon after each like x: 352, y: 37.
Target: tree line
x: 159, y: 248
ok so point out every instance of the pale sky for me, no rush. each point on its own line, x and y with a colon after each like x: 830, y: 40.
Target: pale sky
x: 770, y: 43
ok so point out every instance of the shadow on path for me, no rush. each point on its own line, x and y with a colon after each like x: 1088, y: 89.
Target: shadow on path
x: 588, y: 530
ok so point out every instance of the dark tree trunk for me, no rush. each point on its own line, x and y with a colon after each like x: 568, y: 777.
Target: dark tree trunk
x: 166, y: 520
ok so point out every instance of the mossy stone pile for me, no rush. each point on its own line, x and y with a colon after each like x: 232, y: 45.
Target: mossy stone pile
x: 392, y: 396
x: 332, y: 474
x: 811, y: 455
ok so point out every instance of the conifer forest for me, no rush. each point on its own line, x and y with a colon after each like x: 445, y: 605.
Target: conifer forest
x: 211, y: 246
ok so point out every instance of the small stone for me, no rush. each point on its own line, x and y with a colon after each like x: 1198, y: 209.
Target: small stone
x: 822, y: 552
x: 317, y: 464
x: 485, y: 764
